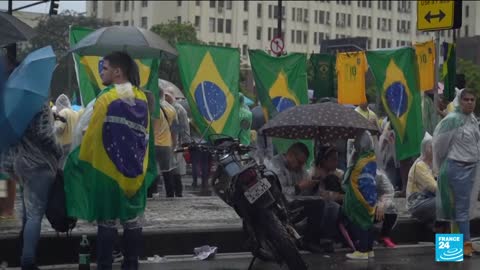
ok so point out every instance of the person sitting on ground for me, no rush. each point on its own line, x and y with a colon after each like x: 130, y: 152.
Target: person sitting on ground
x: 290, y: 168
x: 422, y: 186
x: 328, y: 176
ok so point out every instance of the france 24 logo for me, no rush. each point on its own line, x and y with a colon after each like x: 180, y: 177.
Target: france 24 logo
x: 449, y: 247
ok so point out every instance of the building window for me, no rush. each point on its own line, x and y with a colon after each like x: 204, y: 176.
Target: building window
x: 299, y: 37
x: 197, y: 22
x: 212, y: 3
x: 269, y: 33
x: 315, y: 16
x: 293, y: 14
x: 305, y: 15
x: 229, y: 4
x: 321, y: 17
x: 270, y: 11
x: 220, y: 25
x: 220, y: 44
x: 228, y: 26
x: 466, y: 11
x: 259, y: 33
x: 327, y: 22
x: 117, y: 6
x: 179, y: 3
x: 145, y: 3
x: 117, y: 23
x: 259, y: 10
x: 466, y: 30
x: 299, y: 14
x: 315, y: 38
x: 292, y: 37
x: 349, y: 20
x: 125, y: 23
x: 125, y: 5
x: 144, y: 22
x: 197, y: 3
x: 211, y: 25
x: 244, y: 50
x: 221, y: 4
x: 228, y: 45
x: 245, y: 5
x: 179, y: 19
x: 245, y: 27
x: 369, y: 22
x: 275, y: 12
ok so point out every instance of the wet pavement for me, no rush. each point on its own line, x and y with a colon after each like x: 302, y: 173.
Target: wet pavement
x: 401, y: 258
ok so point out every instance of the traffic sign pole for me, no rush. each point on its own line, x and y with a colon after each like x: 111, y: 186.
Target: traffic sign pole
x: 437, y: 73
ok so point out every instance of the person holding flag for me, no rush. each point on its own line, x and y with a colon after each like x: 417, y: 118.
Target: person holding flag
x: 107, y: 175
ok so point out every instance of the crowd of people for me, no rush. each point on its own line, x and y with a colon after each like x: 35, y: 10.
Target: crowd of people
x: 355, y: 179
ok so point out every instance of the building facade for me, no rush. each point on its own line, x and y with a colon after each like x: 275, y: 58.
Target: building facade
x: 305, y: 24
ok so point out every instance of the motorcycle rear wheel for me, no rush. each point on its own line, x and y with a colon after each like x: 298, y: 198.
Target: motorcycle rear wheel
x: 283, y: 242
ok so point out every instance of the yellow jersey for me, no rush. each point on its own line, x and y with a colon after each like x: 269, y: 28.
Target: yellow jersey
x: 162, y: 125
x: 426, y: 64
x: 351, y: 68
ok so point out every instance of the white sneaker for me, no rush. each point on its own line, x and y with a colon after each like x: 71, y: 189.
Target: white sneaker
x: 357, y: 255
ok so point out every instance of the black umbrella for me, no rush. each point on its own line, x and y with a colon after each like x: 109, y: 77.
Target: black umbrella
x: 13, y: 30
x: 137, y: 42
x: 326, y: 122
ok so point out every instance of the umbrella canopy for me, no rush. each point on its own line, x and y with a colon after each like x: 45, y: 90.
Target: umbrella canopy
x: 171, y: 88
x: 137, y: 42
x: 327, y: 122
x: 26, y: 90
x: 13, y: 30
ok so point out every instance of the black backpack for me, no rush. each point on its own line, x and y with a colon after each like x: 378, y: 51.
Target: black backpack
x: 57, y: 209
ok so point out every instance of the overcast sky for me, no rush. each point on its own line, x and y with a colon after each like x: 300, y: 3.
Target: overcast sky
x: 78, y: 6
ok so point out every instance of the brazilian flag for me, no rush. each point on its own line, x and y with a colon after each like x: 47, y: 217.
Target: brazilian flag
x: 281, y: 83
x: 88, y: 70
x: 449, y: 70
x: 210, y: 77
x: 396, y: 77
x: 108, y: 174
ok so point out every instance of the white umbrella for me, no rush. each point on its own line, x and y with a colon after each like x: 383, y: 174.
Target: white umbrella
x: 171, y: 88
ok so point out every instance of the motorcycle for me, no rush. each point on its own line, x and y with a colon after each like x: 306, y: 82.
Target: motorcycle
x: 256, y: 195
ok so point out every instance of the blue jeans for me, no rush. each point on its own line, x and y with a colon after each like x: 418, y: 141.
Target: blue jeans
x: 36, y: 184
x: 461, y: 176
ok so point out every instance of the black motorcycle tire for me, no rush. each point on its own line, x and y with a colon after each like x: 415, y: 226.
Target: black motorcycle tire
x: 285, y: 246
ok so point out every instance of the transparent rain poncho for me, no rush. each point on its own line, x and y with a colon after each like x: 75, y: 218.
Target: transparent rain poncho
x: 443, y: 137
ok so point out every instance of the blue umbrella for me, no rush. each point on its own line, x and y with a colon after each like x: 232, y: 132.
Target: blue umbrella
x: 26, y: 90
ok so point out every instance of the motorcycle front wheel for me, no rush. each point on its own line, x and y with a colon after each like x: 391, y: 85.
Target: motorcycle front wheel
x: 283, y: 242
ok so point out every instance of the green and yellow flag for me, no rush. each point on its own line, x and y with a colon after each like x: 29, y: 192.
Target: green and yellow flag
x: 396, y: 76
x: 210, y: 77
x: 281, y: 83
x: 88, y: 70
x: 108, y: 174
x: 449, y: 70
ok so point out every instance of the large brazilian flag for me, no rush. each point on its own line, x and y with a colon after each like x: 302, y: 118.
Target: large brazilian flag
x: 281, y: 83
x: 88, y: 70
x: 108, y: 174
x: 210, y: 77
x: 396, y: 77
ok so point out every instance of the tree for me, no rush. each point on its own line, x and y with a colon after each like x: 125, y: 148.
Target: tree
x: 472, y: 77
x: 174, y: 32
x: 54, y: 31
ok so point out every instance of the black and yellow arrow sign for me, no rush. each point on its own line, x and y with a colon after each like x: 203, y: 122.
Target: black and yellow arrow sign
x: 438, y: 15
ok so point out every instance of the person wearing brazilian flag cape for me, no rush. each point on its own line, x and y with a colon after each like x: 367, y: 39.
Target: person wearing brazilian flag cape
x: 107, y: 175
x: 361, y: 196
x: 456, y: 157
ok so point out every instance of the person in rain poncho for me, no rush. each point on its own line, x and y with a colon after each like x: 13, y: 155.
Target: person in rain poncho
x: 65, y: 121
x: 180, y: 129
x: 456, y: 156
x: 246, y: 117
x: 422, y: 186
x: 361, y: 196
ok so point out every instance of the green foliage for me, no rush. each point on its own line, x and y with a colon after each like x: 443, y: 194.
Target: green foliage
x: 472, y: 77
x: 54, y: 31
x: 174, y: 33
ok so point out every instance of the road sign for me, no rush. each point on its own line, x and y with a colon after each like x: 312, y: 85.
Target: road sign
x: 277, y: 45
x: 439, y: 15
